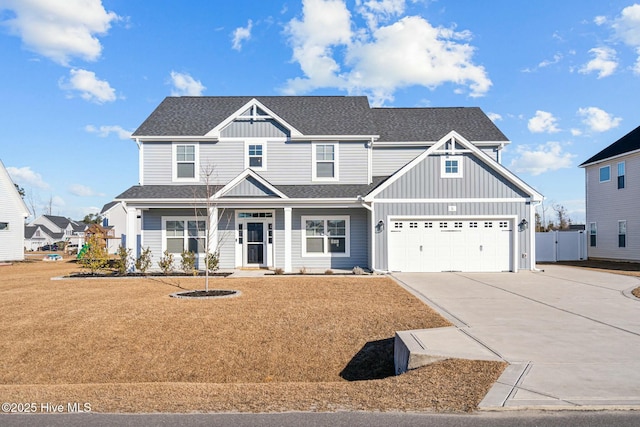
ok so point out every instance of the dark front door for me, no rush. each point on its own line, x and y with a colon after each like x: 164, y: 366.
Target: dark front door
x: 255, y: 243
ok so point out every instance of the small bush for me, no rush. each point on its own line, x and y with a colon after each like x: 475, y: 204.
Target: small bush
x: 188, y: 262
x: 278, y: 271
x: 123, y: 261
x: 166, y: 262
x: 328, y: 271
x: 358, y: 271
x: 95, y: 258
x: 144, y: 260
x: 213, y: 261
x: 303, y: 270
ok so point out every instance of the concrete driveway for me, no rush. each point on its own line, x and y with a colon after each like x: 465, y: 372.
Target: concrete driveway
x: 571, y: 336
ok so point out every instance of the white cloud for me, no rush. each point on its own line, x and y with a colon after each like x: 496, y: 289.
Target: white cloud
x: 83, y: 191
x: 600, y: 20
x: 543, y: 121
x: 185, y: 85
x: 627, y: 28
x: 90, y: 87
x: 576, y: 132
x: 604, y: 62
x: 598, y: 120
x: 494, y: 117
x: 105, y: 131
x: 60, y: 30
x: 240, y: 35
x: 541, y: 159
x: 377, y: 61
x: 25, y: 177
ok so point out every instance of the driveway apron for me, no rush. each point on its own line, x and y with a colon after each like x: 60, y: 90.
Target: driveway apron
x: 571, y: 336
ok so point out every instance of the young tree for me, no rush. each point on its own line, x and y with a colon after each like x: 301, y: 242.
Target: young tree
x: 92, y: 218
x: 563, y: 216
x: 95, y: 258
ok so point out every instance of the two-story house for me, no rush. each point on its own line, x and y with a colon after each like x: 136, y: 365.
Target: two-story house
x: 326, y: 182
x: 50, y: 229
x: 613, y: 200
x: 13, y: 213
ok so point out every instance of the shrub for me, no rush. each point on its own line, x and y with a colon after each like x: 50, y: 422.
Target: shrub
x: 328, y: 271
x: 166, y: 262
x: 303, y: 270
x: 95, y: 258
x: 278, y: 271
x: 213, y: 261
x: 123, y: 261
x: 188, y: 262
x: 144, y: 260
x: 358, y: 270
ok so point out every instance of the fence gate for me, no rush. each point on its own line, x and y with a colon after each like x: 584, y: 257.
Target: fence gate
x: 561, y: 246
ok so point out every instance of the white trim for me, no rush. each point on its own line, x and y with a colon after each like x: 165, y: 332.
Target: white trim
x: 336, y: 162
x: 215, y: 132
x: 326, y: 253
x: 185, y: 237
x: 388, y: 144
x: 477, y: 200
x: 608, y: 159
x: 535, y: 196
x: 140, y: 162
x: 302, y: 138
x: 459, y: 166
x: 173, y: 138
x: 255, y: 141
x: 269, y: 248
x: 174, y: 162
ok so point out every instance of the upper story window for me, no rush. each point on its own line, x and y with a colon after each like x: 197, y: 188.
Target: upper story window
x: 605, y: 174
x: 185, y: 164
x: 451, y: 167
x: 620, y: 175
x: 4, y: 226
x: 256, y: 155
x: 325, y: 162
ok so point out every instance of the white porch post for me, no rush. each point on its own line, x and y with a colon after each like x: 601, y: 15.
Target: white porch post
x: 287, y: 240
x: 213, y: 232
x: 132, y: 230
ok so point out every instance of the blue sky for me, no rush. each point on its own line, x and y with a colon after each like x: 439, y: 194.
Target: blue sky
x: 560, y: 78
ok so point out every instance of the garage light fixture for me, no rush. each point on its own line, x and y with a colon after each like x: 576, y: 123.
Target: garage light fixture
x: 524, y: 224
x: 380, y: 226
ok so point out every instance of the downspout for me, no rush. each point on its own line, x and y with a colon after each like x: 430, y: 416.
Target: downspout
x: 140, y: 161
x: 373, y: 231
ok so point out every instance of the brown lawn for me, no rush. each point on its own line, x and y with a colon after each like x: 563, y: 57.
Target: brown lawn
x: 287, y: 343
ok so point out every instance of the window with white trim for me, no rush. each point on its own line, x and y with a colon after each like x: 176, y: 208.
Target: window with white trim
x: 605, y: 174
x: 185, y: 162
x: 593, y: 233
x: 325, y: 162
x: 326, y: 236
x: 256, y: 155
x: 622, y: 234
x: 4, y: 226
x: 451, y: 166
x: 184, y: 235
x: 621, y: 175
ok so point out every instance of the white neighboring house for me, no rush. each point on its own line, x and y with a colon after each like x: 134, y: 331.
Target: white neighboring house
x: 49, y: 229
x: 613, y: 200
x: 114, y: 215
x: 13, y: 212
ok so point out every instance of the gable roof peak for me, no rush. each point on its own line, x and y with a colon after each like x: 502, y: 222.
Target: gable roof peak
x: 627, y: 144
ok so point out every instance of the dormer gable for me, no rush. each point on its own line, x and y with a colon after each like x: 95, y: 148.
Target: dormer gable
x: 253, y: 112
x: 249, y: 184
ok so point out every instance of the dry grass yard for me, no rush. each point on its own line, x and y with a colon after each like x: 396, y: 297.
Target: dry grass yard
x: 287, y: 343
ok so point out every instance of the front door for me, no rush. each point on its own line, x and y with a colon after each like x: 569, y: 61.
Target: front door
x: 255, y: 246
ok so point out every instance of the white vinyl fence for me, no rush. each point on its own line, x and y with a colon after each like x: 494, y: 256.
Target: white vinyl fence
x: 561, y: 246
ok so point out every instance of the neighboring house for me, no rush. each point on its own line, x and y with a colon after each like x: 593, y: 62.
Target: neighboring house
x: 114, y: 214
x: 13, y: 213
x: 613, y: 200
x: 49, y: 229
x: 329, y: 183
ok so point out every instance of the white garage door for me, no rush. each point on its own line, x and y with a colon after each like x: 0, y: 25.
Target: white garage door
x: 428, y: 245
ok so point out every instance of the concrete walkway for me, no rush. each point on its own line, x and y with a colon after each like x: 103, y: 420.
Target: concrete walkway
x: 571, y: 336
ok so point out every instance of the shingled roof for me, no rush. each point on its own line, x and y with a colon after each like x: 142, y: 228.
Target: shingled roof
x: 322, y: 115
x: 431, y: 124
x: 628, y: 143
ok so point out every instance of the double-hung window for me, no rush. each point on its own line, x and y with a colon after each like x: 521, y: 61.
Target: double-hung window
x: 185, y: 235
x: 593, y: 234
x: 185, y: 166
x: 326, y: 236
x: 622, y: 234
x: 325, y: 162
x: 256, y: 155
x: 620, y: 175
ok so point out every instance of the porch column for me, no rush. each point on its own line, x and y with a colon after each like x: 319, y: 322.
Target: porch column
x: 213, y: 230
x: 131, y: 232
x: 287, y: 240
